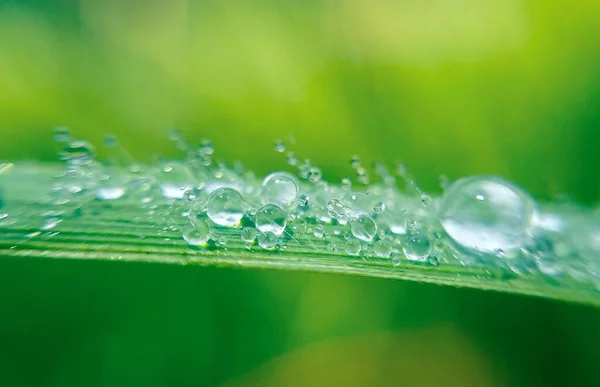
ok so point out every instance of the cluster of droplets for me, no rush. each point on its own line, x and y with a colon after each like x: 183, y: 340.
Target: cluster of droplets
x: 482, y: 220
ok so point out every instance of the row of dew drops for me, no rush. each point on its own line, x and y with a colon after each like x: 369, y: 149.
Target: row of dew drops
x: 479, y: 219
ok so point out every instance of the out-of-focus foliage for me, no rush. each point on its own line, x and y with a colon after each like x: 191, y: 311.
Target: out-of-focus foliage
x: 458, y: 87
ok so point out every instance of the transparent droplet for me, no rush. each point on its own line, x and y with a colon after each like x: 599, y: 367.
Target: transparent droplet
x: 379, y: 207
x: 197, y: 234
x: 61, y: 134
x: 383, y: 249
x: 226, y: 207
x: 110, y: 141
x: 363, y: 228
x: 279, y: 188
x: 268, y: 240
x: 355, y: 162
x: 417, y: 247
x: 292, y: 159
x: 248, y: 234
x: 319, y: 231
x: 346, y: 184
x: 189, y: 195
x: 337, y: 209
x: 303, y: 200
x: 279, y: 146
x: 110, y: 193
x: 271, y: 219
x: 352, y: 247
x: 78, y: 152
x: 486, y: 213
x: 314, y: 174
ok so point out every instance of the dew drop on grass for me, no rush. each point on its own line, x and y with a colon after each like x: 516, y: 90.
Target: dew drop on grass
x: 337, y: 209
x: 303, y: 200
x: 78, y: 152
x: 226, y: 207
x: 319, y: 231
x: 189, y: 195
x: 268, y: 240
x: 417, y: 247
x: 363, y: 228
x: 197, y: 234
x: 382, y: 249
x: 486, y: 213
x: 271, y: 218
x: 279, y: 146
x: 248, y: 234
x: 352, y: 247
x: 279, y: 188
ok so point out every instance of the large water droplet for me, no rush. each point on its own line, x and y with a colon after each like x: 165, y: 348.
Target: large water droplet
x: 271, y: 218
x: 197, y: 234
x: 363, y: 228
x: 279, y: 188
x: 487, y: 214
x: 383, y: 249
x: 226, y: 207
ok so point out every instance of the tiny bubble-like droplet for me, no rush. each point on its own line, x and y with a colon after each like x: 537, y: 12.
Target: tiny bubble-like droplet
x: 417, y: 247
x: 197, y: 234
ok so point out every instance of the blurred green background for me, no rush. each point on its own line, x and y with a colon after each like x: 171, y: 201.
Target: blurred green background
x: 458, y: 87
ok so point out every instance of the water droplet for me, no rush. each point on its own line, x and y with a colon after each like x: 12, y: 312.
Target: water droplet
x: 109, y: 193
x: 417, y: 247
x: 110, y: 141
x: 486, y: 213
x: 271, y: 219
x: 352, y: 247
x: 337, y: 210
x: 319, y: 231
x: 383, y: 249
x: 279, y: 146
x: 61, y: 134
x: 379, y: 207
x: 314, y: 174
x: 189, y: 195
x: 279, y: 188
x: 355, y: 162
x: 303, y: 200
x: 248, y: 234
x: 197, y: 234
x: 425, y: 200
x: 78, y: 152
x: 292, y: 159
x: 268, y: 240
x: 226, y: 207
x: 346, y: 184
x: 363, y: 228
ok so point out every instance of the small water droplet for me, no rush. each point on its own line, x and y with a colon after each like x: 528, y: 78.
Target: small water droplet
x: 279, y: 146
x: 226, y: 207
x: 197, y: 234
x: 78, y: 152
x: 383, y: 249
x: 62, y: 134
x: 417, y: 247
x: 189, y: 195
x: 379, y: 207
x: 314, y: 174
x: 110, y: 141
x: 248, y: 234
x: 337, y: 209
x: 268, y: 240
x: 352, y: 247
x: 346, y: 184
x: 271, y: 218
x: 363, y: 228
x: 319, y: 231
x: 303, y: 200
